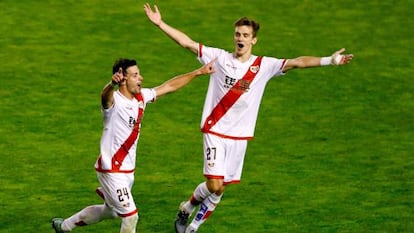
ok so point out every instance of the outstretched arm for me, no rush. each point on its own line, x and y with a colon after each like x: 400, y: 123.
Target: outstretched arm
x: 337, y: 58
x: 179, y: 37
x: 181, y: 80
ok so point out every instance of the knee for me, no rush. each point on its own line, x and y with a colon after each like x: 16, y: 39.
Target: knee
x: 129, y: 223
x: 215, y: 186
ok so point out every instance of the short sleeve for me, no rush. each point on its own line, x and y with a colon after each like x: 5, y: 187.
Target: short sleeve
x: 149, y: 95
x: 206, y: 54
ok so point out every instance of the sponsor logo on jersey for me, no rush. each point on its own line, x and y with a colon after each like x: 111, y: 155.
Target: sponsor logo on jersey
x: 243, y: 86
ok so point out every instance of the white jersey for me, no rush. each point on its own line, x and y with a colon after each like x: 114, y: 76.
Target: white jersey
x: 239, y: 120
x: 119, y: 125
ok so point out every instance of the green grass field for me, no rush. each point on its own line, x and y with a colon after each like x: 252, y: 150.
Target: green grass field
x: 334, y: 146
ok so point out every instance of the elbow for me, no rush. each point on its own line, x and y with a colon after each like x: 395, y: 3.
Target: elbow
x: 166, y: 88
x: 300, y: 63
x: 183, y: 44
x: 189, y: 44
x: 106, y: 103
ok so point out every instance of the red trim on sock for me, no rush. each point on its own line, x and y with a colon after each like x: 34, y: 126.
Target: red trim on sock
x: 81, y: 224
x: 207, y: 214
x: 194, y: 201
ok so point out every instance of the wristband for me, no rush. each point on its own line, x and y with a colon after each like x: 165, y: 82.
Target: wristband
x: 326, y: 61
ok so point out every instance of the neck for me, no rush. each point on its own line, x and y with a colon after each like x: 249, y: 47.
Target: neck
x: 242, y: 57
x: 123, y: 90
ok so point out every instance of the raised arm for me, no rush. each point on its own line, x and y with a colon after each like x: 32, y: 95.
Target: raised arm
x: 181, y: 80
x: 337, y: 58
x: 107, y: 94
x: 179, y: 37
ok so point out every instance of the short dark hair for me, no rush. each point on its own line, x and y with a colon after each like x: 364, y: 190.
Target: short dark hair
x: 123, y: 63
x: 244, y: 21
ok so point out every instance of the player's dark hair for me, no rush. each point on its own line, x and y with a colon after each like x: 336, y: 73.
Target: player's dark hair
x: 123, y: 63
x: 244, y: 21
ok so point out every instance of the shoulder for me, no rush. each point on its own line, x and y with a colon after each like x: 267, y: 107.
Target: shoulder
x: 268, y: 59
x: 273, y: 65
x: 273, y: 61
x: 148, y: 95
x: 212, y: 51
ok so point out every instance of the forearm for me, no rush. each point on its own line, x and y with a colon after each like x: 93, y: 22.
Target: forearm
x: 181, y: 80
x: 310, y: 61
x: 176, y: 83
x: 107, y: 95
x: 179, y: 37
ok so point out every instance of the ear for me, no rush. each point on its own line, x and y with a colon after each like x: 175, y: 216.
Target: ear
x: 254, y: 40
x: 123, y: 81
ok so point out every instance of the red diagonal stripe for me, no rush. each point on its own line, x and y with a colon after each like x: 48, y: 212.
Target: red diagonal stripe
x: 230, y: 98
x: 122, y: 152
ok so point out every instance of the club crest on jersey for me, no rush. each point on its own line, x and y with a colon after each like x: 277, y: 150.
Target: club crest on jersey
x: 254, y: 69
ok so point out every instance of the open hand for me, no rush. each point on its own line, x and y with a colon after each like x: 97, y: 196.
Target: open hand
x: 341, y: 59
x: 154, y: 16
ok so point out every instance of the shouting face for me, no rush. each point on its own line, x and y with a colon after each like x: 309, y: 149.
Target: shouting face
x: 133, y: 80
x: 243, y: 40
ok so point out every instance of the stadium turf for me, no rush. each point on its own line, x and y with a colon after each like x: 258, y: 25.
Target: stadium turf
x: 333, y: 146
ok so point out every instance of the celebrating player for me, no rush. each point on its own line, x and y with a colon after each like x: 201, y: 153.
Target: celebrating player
x: 122, y: 110
x: 231, y: 107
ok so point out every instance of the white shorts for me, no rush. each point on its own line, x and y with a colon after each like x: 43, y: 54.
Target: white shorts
x: 223, y: 158
x: 116, y: 189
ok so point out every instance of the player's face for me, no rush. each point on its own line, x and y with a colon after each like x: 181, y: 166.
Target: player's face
x: 243, y: 40
x: 133, y: 80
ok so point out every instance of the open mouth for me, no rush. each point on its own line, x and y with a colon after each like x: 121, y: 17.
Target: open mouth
x: 240, y: 45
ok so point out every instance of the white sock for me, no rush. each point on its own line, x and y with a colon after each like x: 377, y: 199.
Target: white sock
x: 89, y: 215
x: 206, y: 209
x: 199, y: 195
x: 129, y: 224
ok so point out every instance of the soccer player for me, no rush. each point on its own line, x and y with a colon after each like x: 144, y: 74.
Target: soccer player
x: 122, y: 110
x: 231, y: 107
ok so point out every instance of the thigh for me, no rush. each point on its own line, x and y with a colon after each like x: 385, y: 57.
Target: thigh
x: 223, y: 158
x: 234, y: 160
x: 214, y: 157
x: 117, y: 191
